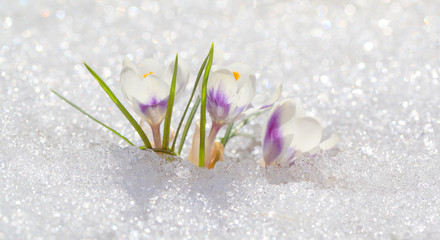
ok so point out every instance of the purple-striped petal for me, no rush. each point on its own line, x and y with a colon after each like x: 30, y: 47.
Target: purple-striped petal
x: 153, y: 111
x: 218, y: 104
x: 273, y: 139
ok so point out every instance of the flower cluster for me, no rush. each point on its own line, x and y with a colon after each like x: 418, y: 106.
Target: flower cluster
x: 228, y: 94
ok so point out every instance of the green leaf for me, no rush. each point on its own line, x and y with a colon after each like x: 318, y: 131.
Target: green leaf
x: 161, y: 150
x: 182, y: 140
x: 203, y: 108
x: 121, y: 107
x: 166, y: 151
x: 232, y: 132
x: 227, y: 136
x: 90, y: 116
x: 243, y: 135
x: 166, y: 131
x: 188, y: 124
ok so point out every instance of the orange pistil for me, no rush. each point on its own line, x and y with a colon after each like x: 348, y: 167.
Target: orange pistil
x: 145, y: 75
x: 236, y: 75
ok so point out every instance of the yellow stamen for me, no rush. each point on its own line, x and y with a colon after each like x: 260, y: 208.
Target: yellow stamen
x: 145, y: 75
x: 236, y: 75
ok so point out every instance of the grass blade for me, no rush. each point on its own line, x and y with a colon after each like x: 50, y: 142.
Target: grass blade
x: 187, y: 107
x: 170, y: 105
x: 233, y: 131
x: 227, y: 136
x: 188, y: 124
x: 91, y: 117
x: 203, y: 108
x: 121, y: 107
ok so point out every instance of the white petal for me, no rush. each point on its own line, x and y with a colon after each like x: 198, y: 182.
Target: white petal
x: 277, y: 94
x: 151, y: 65
x: 224, y: 79
x: 129, y: 82
x: 245, y: 96
x: 245, y: 72
x: 151, y: 86
x: 330, y: 142
x: 299, y: 108
x: 264, y: 100
x: 182, y: 75
x: 241, y: 68
x: 307, y: 134
x: 126, y: 62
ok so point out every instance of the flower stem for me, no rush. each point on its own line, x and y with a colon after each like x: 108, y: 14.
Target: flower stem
x: 156, y: 135
x: 210, y: 141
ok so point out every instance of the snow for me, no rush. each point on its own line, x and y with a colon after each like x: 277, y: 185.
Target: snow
x: 368, y: 69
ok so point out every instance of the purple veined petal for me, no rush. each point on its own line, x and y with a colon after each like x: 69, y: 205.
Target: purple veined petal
x: 278, y: 131
x: 153, y: 104
x: 218, y: 104
x: 234, y: 115
x: 289, y: 156
x: 224, y: 79
x: 273, y: 139
x: 153, y: 111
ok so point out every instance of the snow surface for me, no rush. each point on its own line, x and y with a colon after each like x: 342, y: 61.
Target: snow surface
x: 368, y: 69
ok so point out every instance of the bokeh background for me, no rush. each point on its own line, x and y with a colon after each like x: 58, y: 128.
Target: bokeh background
x: 368, y: 69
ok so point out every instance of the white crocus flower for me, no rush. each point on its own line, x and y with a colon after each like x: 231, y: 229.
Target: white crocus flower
x: 230, y: 89
x: 288, y: 134
x: 147, y: 87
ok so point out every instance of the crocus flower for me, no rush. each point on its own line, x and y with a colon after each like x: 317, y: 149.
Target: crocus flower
x: 230, y: 90
x: 261, y: 100
x: 288, y: 134
x: 147, y: 86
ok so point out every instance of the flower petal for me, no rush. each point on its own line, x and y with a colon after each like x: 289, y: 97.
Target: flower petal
x: 245, y: 72
x: 148, y: 96
x: 218, y: 104
x: 218, y: 154
x: 265, y: 100
x: 330, y: 142
x: 151, y: 87
x: 152, y: 111
x: 129, y: 81
x: 307, y: 134
x: 221, y: 92
x: 276, y: 140
x: 182, y: 77
x: 244, y: 96
x: 224, y: 79
x: 299, y: 109
x: 126, y: 62
x: 151, y: 65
